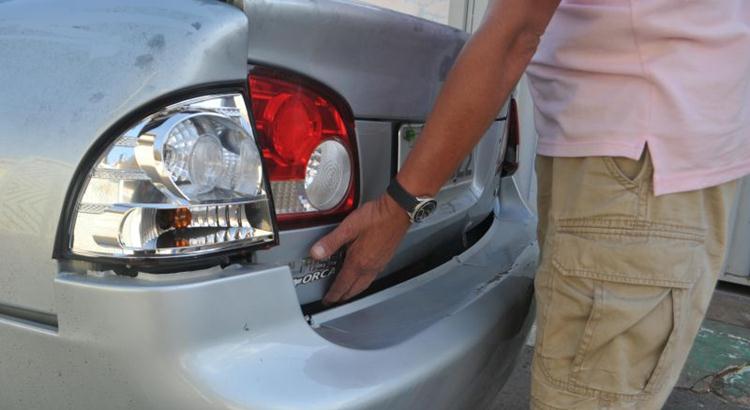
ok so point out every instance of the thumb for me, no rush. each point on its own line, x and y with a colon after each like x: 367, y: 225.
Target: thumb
x: 329, y: 244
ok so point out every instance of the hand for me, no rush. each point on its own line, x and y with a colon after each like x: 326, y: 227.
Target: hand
x: 373, y: 232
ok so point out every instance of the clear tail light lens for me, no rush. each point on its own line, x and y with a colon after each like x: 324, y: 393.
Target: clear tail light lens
x: 308, y: 148
x: 184, y: 181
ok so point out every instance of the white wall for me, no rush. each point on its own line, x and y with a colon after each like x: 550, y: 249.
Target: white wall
x: 450, y: 12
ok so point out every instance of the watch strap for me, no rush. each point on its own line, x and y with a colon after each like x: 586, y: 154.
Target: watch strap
x: 402, y: 197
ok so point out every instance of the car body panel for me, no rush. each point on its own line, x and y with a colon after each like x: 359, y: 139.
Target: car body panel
x: 79, y: 68
x: 237, y: 339
x: 75, y: 335
x: 399, y: 76
x: 388, y: 67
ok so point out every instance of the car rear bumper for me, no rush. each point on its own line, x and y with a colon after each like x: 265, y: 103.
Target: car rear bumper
x: 445, y: 339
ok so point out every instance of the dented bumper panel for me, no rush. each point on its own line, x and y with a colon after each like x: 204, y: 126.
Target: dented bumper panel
x: 239, y: 339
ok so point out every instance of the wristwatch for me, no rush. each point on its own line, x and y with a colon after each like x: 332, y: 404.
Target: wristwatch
x: 417, y: 207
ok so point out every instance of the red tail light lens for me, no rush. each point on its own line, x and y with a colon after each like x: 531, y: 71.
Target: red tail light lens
x: 308, y: 148
x: 509, y: 164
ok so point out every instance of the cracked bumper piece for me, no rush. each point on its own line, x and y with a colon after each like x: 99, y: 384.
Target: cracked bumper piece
x: 445, y: 339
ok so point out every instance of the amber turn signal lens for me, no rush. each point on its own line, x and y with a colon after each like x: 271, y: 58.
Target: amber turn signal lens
x: 181, y: 218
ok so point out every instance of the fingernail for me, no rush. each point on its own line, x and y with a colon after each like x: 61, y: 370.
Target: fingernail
x: 318, y: 252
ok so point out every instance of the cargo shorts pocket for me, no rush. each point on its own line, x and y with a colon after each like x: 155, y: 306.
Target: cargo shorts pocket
x: 612, y: 303
x: 629, y: 173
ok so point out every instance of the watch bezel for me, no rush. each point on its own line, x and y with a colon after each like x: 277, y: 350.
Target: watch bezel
x: 425, y: 204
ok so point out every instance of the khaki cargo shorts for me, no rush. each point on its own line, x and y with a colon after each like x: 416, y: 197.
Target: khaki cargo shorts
x: 624, y: 282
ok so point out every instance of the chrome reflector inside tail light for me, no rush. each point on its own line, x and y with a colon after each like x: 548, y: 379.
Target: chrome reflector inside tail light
x: 185, y: 181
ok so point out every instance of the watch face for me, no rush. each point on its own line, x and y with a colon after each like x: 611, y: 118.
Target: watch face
x: 423, y: 210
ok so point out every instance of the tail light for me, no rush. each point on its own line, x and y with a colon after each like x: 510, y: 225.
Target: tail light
x: 183, y: 182
x: 509, y: 163
x: 307, y: 143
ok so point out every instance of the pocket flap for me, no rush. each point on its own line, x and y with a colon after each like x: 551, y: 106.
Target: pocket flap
x: 636, y: 257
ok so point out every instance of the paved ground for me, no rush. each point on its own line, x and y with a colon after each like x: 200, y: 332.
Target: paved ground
x: 717, y: 375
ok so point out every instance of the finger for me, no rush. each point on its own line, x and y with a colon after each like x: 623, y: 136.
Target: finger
x: 363, y: 282
x: 340, y: 287
x: 343, y: 282
x: 329, y: 244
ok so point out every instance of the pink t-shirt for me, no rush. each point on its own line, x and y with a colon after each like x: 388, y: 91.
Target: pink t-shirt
x: 612, y: 76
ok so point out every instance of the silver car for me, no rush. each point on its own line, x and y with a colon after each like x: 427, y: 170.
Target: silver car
x: 166, y: 166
